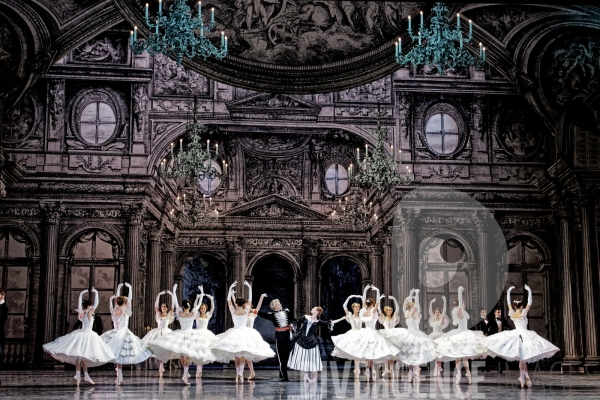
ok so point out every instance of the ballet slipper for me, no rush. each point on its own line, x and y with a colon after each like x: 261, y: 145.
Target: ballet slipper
x: 356, y: 373
x: 77, y: 377
x: 528, y: 381
x: 521, y: 382
x: 184, y: 378
x: 374, y: 373
x: 410, y: 375
x: 418, y: 375
x: 468, y: 375
x: 368, y: 373
x: 86, y: 377
x: 306, y: 378
x: 386, y: 372
x: 252, y: 375
x: 458, y: 376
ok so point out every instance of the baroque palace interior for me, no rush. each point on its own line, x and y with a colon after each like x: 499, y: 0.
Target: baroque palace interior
x: 86, y: 125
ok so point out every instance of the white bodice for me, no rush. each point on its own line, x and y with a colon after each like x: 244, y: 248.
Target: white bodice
x: 121, y: 321
x: 438, y: 325
x: 369, y: 321
x: 164, y: 322
x: 387, y: 323
x: 413, y: 325
x: 187, y: 323
x: 460, y: 323
x: 202, y: 323
x: 239, y: 321
x: 85, y: 321
x: 355, y: 323
x: 251, y: 319
x: 520, y: 323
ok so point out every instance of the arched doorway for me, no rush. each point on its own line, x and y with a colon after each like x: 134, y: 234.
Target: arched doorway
x: 273, y: 275
x: 340, y: 278
x: 209, y: 272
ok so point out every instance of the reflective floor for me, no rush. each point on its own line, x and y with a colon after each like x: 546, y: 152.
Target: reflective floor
x: 333, y: 384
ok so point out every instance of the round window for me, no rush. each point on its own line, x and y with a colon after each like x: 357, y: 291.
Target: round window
x: 441, y: 132
x: 97, y: 123
x: 336, y: 179
x: 208, y: 182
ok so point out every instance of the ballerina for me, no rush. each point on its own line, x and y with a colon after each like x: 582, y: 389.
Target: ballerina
x: 460, y: 344
x: 250, y: 324
x: 520, y: 344
x: 438, y: 321
x: 305, y: 355
x: 353, y: 318
x: 187, y: 344
x: 240, y: 343
x: 416, y: 347
x: 365, y: 344
x: 389, y: 319
x: 206, y: 336
x: 127, y: 348
x: 164, y: 317
x: 82, y: 347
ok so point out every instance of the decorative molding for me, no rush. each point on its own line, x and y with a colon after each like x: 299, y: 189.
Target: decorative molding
x: 275, y: 206
x: 140, y: 110
x: 273, y: 107
x: 56, y: 107
x: 171, y: 79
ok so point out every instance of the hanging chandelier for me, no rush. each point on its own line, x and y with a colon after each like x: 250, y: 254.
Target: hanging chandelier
x: 354, y: 214
x: 189, y: 168
x: 179, y: 34
x: 440, y: 49
x: 378, y: 168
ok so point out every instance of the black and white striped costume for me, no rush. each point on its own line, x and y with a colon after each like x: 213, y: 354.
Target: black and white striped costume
x: 306, y: 355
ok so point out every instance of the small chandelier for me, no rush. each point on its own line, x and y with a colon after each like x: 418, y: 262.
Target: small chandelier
x: 189, y: 168
x: 355, y: 214
x: 379, y: 168
x: 183, y: 34
x: 440, y: 48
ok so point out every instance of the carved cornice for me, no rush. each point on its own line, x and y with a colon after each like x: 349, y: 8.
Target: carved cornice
x: 311, y: 247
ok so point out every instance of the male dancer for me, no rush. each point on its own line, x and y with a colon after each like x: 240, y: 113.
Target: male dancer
x: 497, y: 325
x: 282, y: 319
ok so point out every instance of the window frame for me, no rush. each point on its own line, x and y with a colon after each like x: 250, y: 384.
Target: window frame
x: 97, y: 123
x: 336, y: 165
x: 459, y: 119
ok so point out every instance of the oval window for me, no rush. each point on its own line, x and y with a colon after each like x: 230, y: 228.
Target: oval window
x: 336, y: 179
x: 441, y: 132
x: 97, y: 123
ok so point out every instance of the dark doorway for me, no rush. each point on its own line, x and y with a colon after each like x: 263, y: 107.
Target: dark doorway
x: 274, y: 276
x: 209, y: 272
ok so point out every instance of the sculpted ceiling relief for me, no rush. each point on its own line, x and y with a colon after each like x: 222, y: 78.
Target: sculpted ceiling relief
x: 22, y: 127
x: 518, y: 136
x: 274, y: 142
x: 171, y: 79
x: 378, y: 91
x: 106, y: 49
x: 66, y: 9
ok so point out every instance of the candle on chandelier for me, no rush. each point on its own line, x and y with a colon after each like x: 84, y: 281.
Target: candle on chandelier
x: 146, y: 10
x: 457, y: 20
x: 135, y: 33
x: 212, y: 14
x: 480, y: 49
x: 407, y: 172
x: 209, y: 200
x: 396, y: 49
x: 203, y: 199
x: 131, y: 38
x: 461, y: 41
x: 400, y: 46
x: 364, y: 202
x: 350, y: 171
x: 366, y: 151
x: 180, y: 145
x: 419, y: 38
x: 217, y: 213
x: 470, y: 28
x: 156, y: 28
x: 226, y: 168
x: 208, y: 146
x: 222, y: 39
x: 172, y: 144
x: 159, y: 6
x: 225, y: 43
x: 199, y: 10
x: 421, y: 18
x: 357, y: 155
x: 409, y: 23
x: 484, y: 54
x: 217, y: 149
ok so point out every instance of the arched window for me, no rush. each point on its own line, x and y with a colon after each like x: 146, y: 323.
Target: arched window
x: 336, y: 179
x: 15, y: 251
x: 97, y: 123
x: 95, y: 265
x: 441, y: 132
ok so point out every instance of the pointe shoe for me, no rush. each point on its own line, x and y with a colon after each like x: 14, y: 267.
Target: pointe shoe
x: 374, y: 374
x: 368, y: 374
x: 306, y: 378
x: 418, y: 375
x: 458, y: 376
x: 528, y: 381
x: 392, y: 376
x: 410, y: 375
x: 241, y: 378
x: 386, y: 372
x: 120, y: 377
x: 184, y: 378
x: 77, y: 378
x: 86, y: 377
x: 356, y: 373
x: 161, y: 370
x: 468, y: 375
x: 198, y: 375
x: 252, y: 375
x: 521, y: 382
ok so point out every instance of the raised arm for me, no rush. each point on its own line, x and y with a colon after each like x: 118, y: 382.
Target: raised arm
x: 431, y: 307
x: 249, y: 291
x: 346, y: 311
x: 444, y: 309
x: 230, y: 293
x: 529, y: 298
x: 157, y: 302
x: 80, y: 301
x: 260, y: 301
x: 376, y: 306
x: 417, y: 307
x: 129, y: 294
x: 406, y: 300
x: 212, y: 306
x: 111, y: 303
x: 510, y: 307
x: 174, y: 298
x: 459, y: 313
x: 379, y: 303
x: 119, y: 290
x: 96, y: 298
x: 364, y: 296
x: 199, y: 297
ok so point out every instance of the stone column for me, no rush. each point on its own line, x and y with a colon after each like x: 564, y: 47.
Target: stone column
x: 132, y: 265
x: 573, y: 355
x: 311, y: 260
x: 410, y: 256
x: 167, y: 277
x: 387, y: 285
x: 589, y: 294
x: 485, y: 286
x: 48, y: 295
x: 236, y: 260
x: 376, y: 265
x: 153, y: 277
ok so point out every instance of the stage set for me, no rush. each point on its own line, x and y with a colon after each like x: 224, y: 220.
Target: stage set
x: 299, y: 199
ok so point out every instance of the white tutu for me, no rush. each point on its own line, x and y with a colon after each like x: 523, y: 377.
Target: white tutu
x: 192, y: 343
x: 459, y: 344
x: 519, y: 345
x: 81, y: 344
x: 415, y: 349
x: 155, y: 334
x: 241, y: 342
x: 127, y: 348
x: 363, y: 344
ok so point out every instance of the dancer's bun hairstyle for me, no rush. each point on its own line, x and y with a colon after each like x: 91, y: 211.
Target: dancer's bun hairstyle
x: 85, y: 304
x: 240, y: 301
x: 185, y: 304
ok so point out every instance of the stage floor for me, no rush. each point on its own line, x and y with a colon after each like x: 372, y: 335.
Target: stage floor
x: 219, y: 384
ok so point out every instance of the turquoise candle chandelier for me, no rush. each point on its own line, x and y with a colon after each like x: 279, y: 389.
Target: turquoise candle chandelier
x: 377, y: 167
x: 444, y: 45
x: 355, y: 214
x: 188, y: 168
x: 179, y: 34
